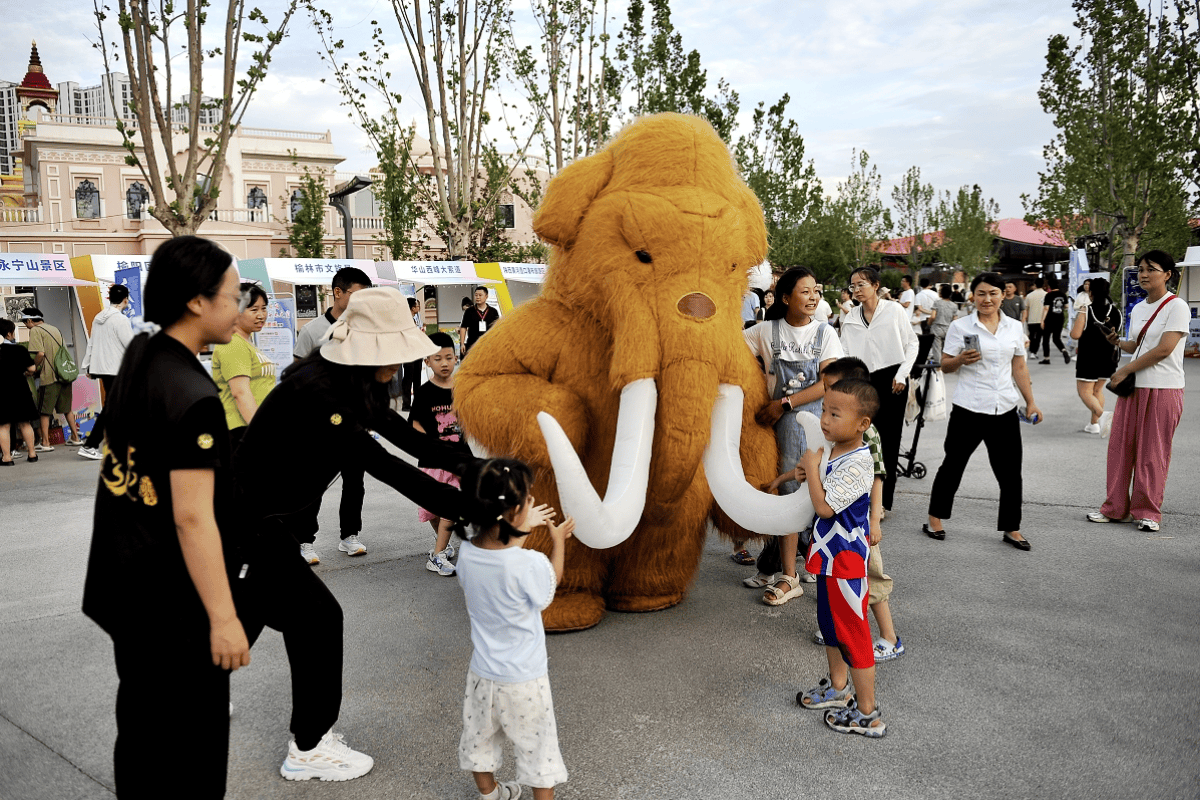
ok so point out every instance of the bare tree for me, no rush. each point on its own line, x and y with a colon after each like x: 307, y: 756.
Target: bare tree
x: 147, y: 49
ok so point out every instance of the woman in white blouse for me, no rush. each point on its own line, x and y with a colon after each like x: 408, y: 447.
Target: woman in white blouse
x: 992, y: 370
x: 880, y: 333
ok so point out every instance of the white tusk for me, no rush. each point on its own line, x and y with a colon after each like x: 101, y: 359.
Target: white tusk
x: 606, y: 523
x: 746, y: 505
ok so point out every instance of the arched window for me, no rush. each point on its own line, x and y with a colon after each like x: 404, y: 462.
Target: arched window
x: 136, y: 198
x: 257, y: 198
x: 87, y: 200
x: 296, y: 205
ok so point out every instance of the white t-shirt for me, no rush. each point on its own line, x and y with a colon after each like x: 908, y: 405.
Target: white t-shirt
x: 1168, y: 373
x: 815, y: 343
x: 986, y: 387
x: 925, y: 299
x: 908, y: 296
x: 823, y: 311
x: 506, y: 591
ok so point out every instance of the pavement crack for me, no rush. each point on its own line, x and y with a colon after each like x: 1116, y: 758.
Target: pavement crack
x: 81, y: 771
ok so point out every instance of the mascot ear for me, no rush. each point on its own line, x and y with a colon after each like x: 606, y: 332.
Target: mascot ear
x: 569, y: 195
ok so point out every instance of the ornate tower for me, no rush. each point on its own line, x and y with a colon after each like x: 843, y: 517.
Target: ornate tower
x: 36, y: 90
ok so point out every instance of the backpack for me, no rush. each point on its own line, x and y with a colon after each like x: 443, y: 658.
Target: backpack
x: 64, y: 366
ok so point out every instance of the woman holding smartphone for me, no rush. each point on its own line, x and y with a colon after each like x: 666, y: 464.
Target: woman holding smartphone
x: 1097, y: 359
x: 988, y: 349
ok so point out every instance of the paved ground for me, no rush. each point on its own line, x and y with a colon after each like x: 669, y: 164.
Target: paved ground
x: 1067, y: 672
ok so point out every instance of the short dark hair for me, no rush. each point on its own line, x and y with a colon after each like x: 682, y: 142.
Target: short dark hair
x: 346, y: 277
x: 481, y: 289
x: 924, y: 283
x: 7, y: 326
x: 466, y: 302
x: 1052, y: 282
x: 906, y: 278
x: 117, y: 293
x: 945, y: 291
x: 442, y: 339
x: 181, y: 269
x: 33, y: 311
x: 870, y: 273
x: 990, y: 278
x: 1161, y: 258
x: 862, y: 391
x: 847, y: 367
x: 255, y: 293
x: 412, y: 303
x: 1009, y: 282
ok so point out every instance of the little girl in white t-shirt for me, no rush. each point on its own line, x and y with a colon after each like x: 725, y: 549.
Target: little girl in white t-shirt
x: 506, y: 587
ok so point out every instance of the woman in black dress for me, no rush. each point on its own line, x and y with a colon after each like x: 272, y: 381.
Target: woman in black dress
x: 1097, y: 359
x: 156, y: 576
x: 16, y: 401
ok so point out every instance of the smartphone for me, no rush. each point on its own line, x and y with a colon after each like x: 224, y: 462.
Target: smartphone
x: 971, y: 341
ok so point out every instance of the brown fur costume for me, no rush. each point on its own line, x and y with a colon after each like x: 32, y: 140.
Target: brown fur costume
x: 665, y: 189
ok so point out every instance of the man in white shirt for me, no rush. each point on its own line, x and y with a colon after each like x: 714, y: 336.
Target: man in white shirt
x: 907, y: 295
x: 824, y: 311
x: 924, y: 306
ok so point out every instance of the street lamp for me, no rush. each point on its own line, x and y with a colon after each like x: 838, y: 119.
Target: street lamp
x: 337, y: 199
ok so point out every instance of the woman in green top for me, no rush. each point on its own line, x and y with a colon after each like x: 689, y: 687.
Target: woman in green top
x: 243, y: 375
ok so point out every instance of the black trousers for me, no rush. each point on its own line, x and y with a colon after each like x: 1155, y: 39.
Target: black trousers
x: 1001, y: 434
x: 1052, y: 330
x: 409, y: 382
x: 890, y: 424
x: 1035, y: 338
x: 96, y: 437
x: 172, y: 708
x: 280, y: 591
x: 304, y: 525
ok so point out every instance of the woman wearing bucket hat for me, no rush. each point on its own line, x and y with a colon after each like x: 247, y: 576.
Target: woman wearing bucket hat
x: 336, y: 396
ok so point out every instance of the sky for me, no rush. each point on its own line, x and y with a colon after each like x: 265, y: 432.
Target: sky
x: 949, y: 86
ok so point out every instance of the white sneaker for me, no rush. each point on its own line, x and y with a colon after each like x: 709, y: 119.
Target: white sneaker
x: 309, y: 554
x: 74, y: 442
x: 510, y: 790
x: 449, y: 551
x: 331, y: 760
x: 90, y: 452
x: 1105, y: 424
x: 437, y: 563
x: 1147, y: 525
x: 1092, y: 428
x: 351, y: 546
x: 43, y: 448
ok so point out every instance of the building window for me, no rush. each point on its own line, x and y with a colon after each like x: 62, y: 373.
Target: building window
x: 136, y: 198
x: 506, y: 215
x: 87, y: 200
x: 257, y: 198
x: 296, y: 204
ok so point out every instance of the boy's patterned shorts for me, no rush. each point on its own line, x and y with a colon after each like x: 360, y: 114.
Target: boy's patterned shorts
x: 522, y: 712
x: 842, y: 618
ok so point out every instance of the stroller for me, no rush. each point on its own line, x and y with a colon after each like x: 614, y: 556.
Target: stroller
x: 923, y: 374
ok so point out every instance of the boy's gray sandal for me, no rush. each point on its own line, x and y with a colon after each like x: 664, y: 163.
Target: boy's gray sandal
x: 823, y: 695
x: 851, y: 720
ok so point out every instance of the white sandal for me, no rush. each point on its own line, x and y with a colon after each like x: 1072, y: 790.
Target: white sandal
x: 777, y: 597
x: 758, y: 581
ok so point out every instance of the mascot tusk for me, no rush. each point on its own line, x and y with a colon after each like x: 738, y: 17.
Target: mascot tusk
x: 606, y: 523
x: 754, y: 510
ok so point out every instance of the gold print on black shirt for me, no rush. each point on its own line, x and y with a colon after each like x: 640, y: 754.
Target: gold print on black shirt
x: 122, y: 479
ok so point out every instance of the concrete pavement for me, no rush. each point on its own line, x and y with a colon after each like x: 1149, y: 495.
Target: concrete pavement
x: 1066, y: 672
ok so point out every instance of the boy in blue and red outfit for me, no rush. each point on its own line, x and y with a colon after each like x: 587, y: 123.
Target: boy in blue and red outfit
x: 838, y: 554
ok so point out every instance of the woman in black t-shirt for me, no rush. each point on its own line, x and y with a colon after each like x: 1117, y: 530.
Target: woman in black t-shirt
x: 1053, y: 315
x: 156, y: 577
x: 17, y: 409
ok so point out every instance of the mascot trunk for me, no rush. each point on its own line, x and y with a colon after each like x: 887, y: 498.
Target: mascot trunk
x: 606, y: 384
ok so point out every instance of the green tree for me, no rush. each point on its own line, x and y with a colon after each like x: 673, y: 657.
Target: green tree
x: 1187, y: 52
x: 184, y: 195
x: 1119, y: 102
x: 395, y: 189
x: 306, y: 230
x: 661, y: 76
x: 859, y: 211
x: 915, y: 217
x: 771, y: 158
x: 967, y: 220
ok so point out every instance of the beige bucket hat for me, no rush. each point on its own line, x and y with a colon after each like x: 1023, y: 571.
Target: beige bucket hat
x: 376, y: 330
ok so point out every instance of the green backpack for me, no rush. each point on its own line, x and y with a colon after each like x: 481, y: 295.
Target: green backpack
x: 64, y: 366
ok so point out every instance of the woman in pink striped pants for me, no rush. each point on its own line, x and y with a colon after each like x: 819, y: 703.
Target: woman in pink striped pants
x: 1143, y: 424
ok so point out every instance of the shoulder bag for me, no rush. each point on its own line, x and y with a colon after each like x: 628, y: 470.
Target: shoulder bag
x: 1126, y: 387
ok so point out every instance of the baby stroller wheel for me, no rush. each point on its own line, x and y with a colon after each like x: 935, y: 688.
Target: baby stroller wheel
x: 917, y: 471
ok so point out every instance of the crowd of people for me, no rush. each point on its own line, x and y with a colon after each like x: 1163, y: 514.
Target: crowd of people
x: 186, y: 515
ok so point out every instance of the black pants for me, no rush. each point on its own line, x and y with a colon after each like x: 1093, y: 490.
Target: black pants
x: 172, y: 708
x: 1001, y: 434
x: 1035, y: 338
x: 1052, y: 330
x: 304, y: 525
x: 890, y: 424
x: 280, y: 591
x: 409, y: 382
x: 96, y: 437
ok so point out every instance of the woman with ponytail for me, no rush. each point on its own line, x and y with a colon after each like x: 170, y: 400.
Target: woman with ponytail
x: 156, y: 576
x: 507, y: 587
x: 1097, y: 358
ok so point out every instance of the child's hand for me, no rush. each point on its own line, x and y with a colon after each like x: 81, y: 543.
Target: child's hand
x: 810, y: 461
x: 560, y: 533
x: 799, y: 475
x: 538, y: 515
x: 876, y: 535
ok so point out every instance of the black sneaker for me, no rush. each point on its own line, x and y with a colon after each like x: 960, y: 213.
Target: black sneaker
x: 1066, y: 357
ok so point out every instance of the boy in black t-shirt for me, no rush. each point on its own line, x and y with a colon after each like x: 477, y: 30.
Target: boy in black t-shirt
x: 433, y: 414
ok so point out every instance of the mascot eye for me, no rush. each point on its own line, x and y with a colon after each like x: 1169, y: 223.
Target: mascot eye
x: 643, y: 256
x: 733, y: 268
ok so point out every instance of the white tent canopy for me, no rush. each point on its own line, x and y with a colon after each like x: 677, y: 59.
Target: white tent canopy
x: 523, y: 273
x: 437, y: 273
x: 38, y: 269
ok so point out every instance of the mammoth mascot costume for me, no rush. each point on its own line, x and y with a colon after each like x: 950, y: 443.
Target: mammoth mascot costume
x: 614, y: 381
